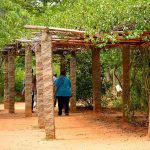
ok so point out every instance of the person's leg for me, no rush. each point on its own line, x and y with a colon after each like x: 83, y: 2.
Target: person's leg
x: 32, y: 100
x: 66, y: 105
x: 55, y: 101
x: 60, y: 105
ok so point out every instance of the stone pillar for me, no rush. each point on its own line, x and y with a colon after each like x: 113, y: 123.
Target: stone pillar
x: 96, y: 79
x: 11, y: 81
x: 126, y: 81
x: 28, y: 82
x: 6, y: 96
x: 39, y: 86
x: 73, y: 81
x: 48, y: 96
x: 62, y: 62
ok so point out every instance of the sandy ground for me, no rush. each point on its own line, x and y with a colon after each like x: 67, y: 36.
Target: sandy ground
x: 79, y: 131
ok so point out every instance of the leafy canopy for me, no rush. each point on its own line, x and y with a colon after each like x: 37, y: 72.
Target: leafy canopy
x: 94, y: 16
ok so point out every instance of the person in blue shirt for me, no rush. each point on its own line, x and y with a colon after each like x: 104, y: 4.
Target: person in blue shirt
x: 63, y: 92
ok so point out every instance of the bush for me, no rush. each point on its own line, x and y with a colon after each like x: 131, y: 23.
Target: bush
x: 117, y: 103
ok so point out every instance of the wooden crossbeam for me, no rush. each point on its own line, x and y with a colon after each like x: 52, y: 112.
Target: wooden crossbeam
x: 53, y: 29
x: 145, y: 45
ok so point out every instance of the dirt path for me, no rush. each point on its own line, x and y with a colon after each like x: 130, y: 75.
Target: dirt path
x: 79, y: 131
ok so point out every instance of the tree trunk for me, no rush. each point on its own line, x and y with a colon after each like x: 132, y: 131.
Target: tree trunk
x: 11, y: 81
x: 6, y: 96
x: 39, y: 86
x: 48, y: 96
x: 96, y: 80
x: 73, y: 82
x: 126, y: 81
x: 28, y: 82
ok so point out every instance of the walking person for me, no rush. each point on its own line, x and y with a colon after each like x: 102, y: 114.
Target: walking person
x: 63, y: 92
x: 54, y: 79
x: 34, y: 91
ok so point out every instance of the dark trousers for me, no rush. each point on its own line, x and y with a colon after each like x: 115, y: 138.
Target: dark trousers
x: 32, y: 99
x: 63, y: 102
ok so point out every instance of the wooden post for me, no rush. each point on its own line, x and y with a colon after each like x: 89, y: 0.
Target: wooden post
x: 62, y: 62
x: 73, y: 81
x: 126, y: 81
x: 6, y: 96
x: 39, y: 86
x: 96, y: 79
x: 28, y: 82
x: 11, y: 81
x: 48, y: 96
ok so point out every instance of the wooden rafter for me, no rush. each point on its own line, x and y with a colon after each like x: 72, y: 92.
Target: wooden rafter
x: 145, y: 45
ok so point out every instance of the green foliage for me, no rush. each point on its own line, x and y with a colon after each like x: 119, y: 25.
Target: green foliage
x: 19, y: 74
x: 12, y: 20
x: 140, y: 79
x: 84, y: 76
x: 90, y: 15
x: 1, y: 99
x: 117, y: 103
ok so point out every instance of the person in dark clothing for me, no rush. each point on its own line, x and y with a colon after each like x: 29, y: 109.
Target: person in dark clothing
x: 34, y: 92
x: 63, y: 92
x: 55, y: 98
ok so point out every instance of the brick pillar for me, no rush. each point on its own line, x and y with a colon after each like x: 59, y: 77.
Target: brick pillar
x: 39, y: 86
x: 11, y: 81
x: 126, y: 81
x: 96, y: 81
x: 6, y: 96
x: 73, y: 81
x: 28, y: 82
x: 48, y: 96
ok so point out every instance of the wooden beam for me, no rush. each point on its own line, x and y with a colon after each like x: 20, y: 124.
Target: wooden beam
x: 96, y: 80
x: 53, y: 29
x: 24, y: 40
x: 126, y: 81
x: 145, y: 45
x: 36, y: 27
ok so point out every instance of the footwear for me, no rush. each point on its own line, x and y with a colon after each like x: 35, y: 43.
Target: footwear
x: 59, y: 114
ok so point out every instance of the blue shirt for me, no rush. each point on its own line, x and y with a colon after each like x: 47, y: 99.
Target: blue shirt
x: 63, y: 86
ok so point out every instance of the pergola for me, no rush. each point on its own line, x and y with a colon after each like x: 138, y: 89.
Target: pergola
x: 57, y: 40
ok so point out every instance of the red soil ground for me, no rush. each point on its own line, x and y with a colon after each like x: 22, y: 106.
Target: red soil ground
x: 84, y: 130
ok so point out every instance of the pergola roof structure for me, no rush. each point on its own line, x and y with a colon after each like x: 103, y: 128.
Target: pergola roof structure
x: 74, y: 40
x: 58, y: 40
x: 77, y: 38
